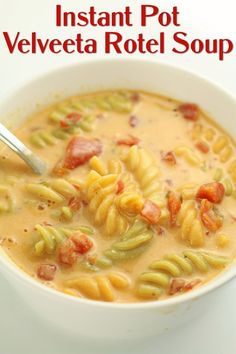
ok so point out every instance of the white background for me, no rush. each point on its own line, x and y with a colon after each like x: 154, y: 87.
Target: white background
x: 20, y: 330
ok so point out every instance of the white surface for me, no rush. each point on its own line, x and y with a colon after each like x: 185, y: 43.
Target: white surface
x: 21, y: 331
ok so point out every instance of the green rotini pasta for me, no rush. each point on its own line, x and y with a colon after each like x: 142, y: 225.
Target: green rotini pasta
x: 56, y: 190
x: 50, y: 237
x: 154, y: 282
x: 132, y: 243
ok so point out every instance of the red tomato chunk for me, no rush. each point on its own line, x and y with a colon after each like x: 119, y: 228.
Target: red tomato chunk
x: 151, y: 212
x: 129, y: 141
x: 169, y: 158
x: 192, y: 284
x: 70, y: 119
x: 72, y: 248
x: 202, y: 146
x: 82, y: 243
x: 80, y: 150
x: 190, y: 111
x: 176, y: 286
x: 214, y: 192
x: 66, y: 252
x: 46, y: 271
x: 174, y: 205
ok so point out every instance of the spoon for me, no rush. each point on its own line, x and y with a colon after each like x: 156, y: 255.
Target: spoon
x: 33, y: 161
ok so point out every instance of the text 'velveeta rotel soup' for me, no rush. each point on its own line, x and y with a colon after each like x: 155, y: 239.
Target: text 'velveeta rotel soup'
x: 138, y: 204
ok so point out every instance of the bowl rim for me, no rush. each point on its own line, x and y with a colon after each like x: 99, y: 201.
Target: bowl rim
x: 225, y: 276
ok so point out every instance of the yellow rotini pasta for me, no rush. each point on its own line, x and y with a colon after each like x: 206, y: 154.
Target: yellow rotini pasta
x: 100, y: 287
x: 144, y: 168
x: 101, y: 194
x: 188, y: 155
x: 191, y: 229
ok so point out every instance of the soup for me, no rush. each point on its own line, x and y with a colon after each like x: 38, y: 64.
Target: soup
x: 138, y: 203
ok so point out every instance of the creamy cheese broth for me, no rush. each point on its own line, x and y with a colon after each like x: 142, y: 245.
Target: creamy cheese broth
x: 161, y: 127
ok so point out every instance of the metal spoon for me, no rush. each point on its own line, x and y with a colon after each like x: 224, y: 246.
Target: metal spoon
x: 33, y: 161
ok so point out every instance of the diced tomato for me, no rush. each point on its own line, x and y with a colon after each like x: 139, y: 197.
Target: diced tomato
x: 151, y: 212
x: 174, y: 205
x: 120, y: 187
x: 211, y: 221
x: 191, y: 284
x: 74, y: 203
x: 135, y: 97
x: 176, y: 286
x: 205, y: 206
x: 133, y: 121
x: 169, y: 157
x: 202, y: 146
x: 190, y: 111
x: 70, y: 119
x: 66, y: 252
x: 82, y: 243
x: 80, y: 150
x: 209, y: 218
x: 129, y: 141
x: 46, y: 271
x: 64, y: 124
x: 60, y: 171
x: 214, y: 192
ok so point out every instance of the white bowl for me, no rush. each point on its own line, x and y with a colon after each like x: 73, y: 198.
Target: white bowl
x: 100, y: 319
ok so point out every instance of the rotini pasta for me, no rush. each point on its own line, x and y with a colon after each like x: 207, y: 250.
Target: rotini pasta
x: 221, y: 145
x: 133, y: 242
x: 55, y: 190
x: 100, y: 287
x: 50, y: 237
x: 189, y: 155
x: 144, y: 168
x: 151, y: 284
x: 191, y: 229
x: 101, y: 192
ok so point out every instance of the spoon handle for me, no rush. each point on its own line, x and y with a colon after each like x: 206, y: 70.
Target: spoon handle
x: 37, y: 165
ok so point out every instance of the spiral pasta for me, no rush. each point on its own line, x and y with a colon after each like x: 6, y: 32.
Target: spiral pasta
x: 191, y: 229
x: 113, y: 166
x: 151, y: 284
x: 100, y: 287
x: 42, y: 138
x: 50, y: 237
x: 188, y: 191
x: 143, y: 166
x: 55, y: 190
x: 221, y: 144
x: 101, y: 193
x: 188, y: 155
x: 132, y: 243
